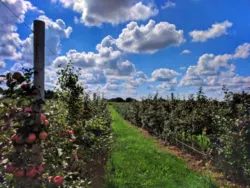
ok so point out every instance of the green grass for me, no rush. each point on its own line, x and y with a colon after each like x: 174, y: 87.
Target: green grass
x: 136, y: 161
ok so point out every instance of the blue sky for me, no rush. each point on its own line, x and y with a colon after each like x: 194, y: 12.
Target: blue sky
x: 134, y: 47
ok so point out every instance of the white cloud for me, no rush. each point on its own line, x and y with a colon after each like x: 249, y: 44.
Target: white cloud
x: 20, y: 66
x: 166, y: 86
x: 168, y: 4
x: 164, y: 75
x: 93, y: 76
x: 55, y: 31
x: 122, y: 70
x: 242, y: 51
x: 186, y: 52
x: 149, y: 38
x: 111, y: 87
x: 9, y: 38
x: 96, y: 12
x: 215, y: 31
x: 183, y: 68
x: 135, y: 82
x: 214, y: 71
x: 2, y: 64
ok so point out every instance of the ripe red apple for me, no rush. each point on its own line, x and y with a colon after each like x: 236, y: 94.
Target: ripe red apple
x: 28, y: 109
x: 31, y: 138
x: 46, y: 122
x: 43, y: 135
x: 25, y: 86
x: 13, y: 138
x: 19, y: 139
x: 41, y: 169
x: 63, y: 133
x: 31, y: 173
x: 50, y: 178
x: 17, y: 75
x: 10, y: 169
x: 19, y: 172
x: 241, y: 123
x: 58, y: 180
x: 71, y: 132
x: 43, y: 117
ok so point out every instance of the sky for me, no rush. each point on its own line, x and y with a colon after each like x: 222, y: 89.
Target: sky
x: 134, y: 48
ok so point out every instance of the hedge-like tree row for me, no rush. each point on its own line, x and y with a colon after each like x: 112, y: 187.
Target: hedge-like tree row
x: 221, y: 129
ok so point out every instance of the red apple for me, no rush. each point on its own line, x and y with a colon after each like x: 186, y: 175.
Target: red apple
x: 19, y: 172
x: 50, y: 178
x: 25, y: 86
x: 58, y: 180
x: 13, y: 138
x: 241, y: 123
x: 43, y: 117
x: 71, y: 132
x: 19, y: 139
x: 28, y: 109
x: 10, y: 169
x: 63, y: 133
x: 46, y: 122
x: 41, y: 169
x: 17, y: 75
x: 43, y: 135
x: 31, y: 138
x: 31, y: 173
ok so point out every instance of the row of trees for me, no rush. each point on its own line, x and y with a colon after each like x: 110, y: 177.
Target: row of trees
x: 65, y: 149
x: 221, y: 129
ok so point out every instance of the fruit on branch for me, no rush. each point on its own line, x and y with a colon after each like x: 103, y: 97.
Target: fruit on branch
x: 13, y: 138
x: 10, y: 169
x: 43, y: 135
x: 17, y: 75
x: 19, y: 172
x: 43, y: 117
x: 25, y: 86
x: 28, y: 110
x: 31, y: 173
x: 50, y: 178
x: 31, y: 138
x: 46, y: 122
x: 40, y: 169
x: 58, y: 180
x: 71, y: 132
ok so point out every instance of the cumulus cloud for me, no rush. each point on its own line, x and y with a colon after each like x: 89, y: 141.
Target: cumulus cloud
x: 215, y: 31
x: 55, y: 31
x: 121, y: 70
x: 164, y: 75
x: 149, y: 38
x: 166, y: 86
x: 96, y: 12
x: 2, y: 64
x: 242, y: 51
x: 135, y: 82
x: 93, y: 76
x: 213, y: 71
x: 19, y: 66
x: 186, y: 52
x: 9, y: 38
x: 111, y: 87
x: 168, y: 4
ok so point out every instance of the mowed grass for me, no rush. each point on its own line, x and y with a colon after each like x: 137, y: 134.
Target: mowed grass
x: 136, y: 161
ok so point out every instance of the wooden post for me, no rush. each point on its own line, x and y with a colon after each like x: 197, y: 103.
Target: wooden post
x: 39, y: 47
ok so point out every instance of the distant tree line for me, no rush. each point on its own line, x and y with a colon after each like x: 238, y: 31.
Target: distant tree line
x: 119, y: 99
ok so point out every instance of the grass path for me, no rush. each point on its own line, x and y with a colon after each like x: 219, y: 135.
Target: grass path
x: 136, y: 161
